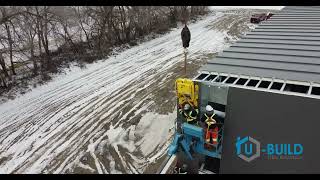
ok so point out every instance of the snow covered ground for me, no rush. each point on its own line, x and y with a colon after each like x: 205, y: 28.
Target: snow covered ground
x: 115, y: 116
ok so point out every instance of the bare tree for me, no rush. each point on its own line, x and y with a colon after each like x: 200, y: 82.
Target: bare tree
x: 27, y: 22
x: 7, y: 14
x: 3, y: 66
x: 42, y: 14
x: 82, y: 17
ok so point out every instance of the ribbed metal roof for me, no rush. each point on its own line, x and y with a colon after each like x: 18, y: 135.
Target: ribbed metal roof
x: 285, y: 47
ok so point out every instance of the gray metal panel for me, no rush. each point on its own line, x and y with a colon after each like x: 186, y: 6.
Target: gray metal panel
x: 278, y: 41
x: 292, y: 22
x: 295, y: 17
x: 263, y: 72
x: 287, y: 46
x: 283, y: 37
x: 275, y: 51
x: 277, y: 33
x: 280, y: 46
x: 298, y: 13
x: 213, y: 92
x: 269, y: 57
x: 291, y: 120
x: 287, y: 30
x: 285, y: 25
x: 268, y: 64
x: 297, y: 8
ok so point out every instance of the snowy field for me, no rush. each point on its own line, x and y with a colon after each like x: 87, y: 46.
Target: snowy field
x: 115, y: 116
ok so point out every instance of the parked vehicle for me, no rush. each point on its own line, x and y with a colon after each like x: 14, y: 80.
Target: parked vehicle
x: 257, y: 18
x: 269, y: 15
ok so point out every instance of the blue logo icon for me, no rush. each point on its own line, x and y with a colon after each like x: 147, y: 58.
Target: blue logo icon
x: 249, y: 149
x: 245, y: 148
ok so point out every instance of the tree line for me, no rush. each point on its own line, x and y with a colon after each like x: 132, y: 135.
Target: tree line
x: 32, y: 37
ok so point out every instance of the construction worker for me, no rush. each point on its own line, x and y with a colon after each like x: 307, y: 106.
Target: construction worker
x: 211, y: 124
x: 190, y: 114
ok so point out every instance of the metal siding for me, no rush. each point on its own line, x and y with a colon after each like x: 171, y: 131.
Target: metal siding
x: 310, y: 34
x: 263, y: 72
x: 270, y: 65
x: 287, y: 46
x: 280, y: 46
x: 288, y: 30
x: 275, y: 50
x: 291, y: 120
x: 277, y: 41
x: 282, y: 37
x: 268, y: 57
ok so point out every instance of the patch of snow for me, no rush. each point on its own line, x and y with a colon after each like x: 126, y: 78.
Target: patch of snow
x: 154, y: 129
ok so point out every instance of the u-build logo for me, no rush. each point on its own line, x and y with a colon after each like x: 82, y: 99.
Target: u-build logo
x: 249, y: 149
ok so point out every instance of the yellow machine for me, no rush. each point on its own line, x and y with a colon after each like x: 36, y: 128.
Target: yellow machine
x: 187, y: 91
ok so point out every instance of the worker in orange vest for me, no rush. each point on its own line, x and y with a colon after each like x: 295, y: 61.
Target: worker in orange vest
x: 210, y: 119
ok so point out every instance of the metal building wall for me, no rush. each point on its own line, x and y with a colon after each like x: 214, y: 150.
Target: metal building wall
x: 271, y: 118
x: 285, y: 47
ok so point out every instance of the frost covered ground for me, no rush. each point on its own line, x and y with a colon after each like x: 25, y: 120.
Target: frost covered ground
x: 116, y: 115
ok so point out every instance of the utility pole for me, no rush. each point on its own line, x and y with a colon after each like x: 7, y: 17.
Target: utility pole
x: 185, y: 62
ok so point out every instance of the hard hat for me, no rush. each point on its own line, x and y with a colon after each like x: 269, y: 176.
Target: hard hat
x: 187, y: 107
x: 209, y: 108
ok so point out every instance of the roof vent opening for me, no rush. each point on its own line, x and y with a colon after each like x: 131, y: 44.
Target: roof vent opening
x: 220, y: 79
x: 231, y: 80
x: 264, y: 84
x: 296, y: 88
x: 201, y: 76
x: 211, y: 77
x: 276, y: 86
x: 253, y: 83
x: 242, y: 81
x: 315, y: 91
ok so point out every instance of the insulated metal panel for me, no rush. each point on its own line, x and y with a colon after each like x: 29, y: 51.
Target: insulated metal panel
x: 213, y: 92
x: 264, y: 72
x: 300, y: 30
x: 278, y: 46
x: 270, y: 58
x: 279, y: 41
x: 291, y: 120
x: 310, y: 34
x: 304, y: 68
x: 275, y: 50
x: 306, y: 38
x: 286, y: 46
